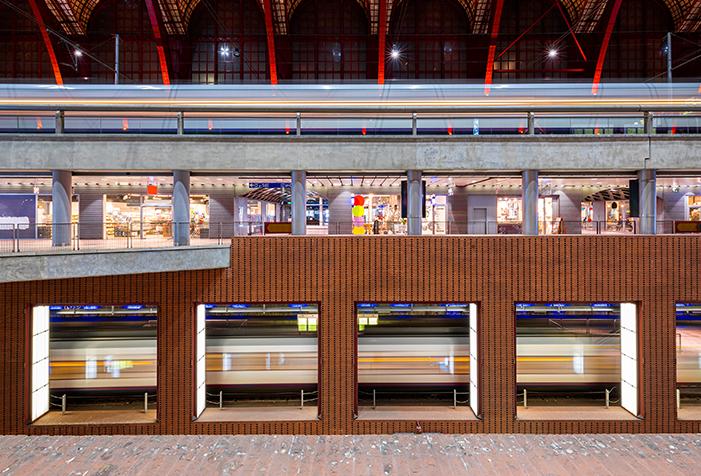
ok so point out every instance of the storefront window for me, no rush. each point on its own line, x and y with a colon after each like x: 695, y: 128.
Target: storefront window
x: 618, y: 216
x: 694, y: 204
x: 435, y: 221
x: 150, y: 216
x: 383, y: 215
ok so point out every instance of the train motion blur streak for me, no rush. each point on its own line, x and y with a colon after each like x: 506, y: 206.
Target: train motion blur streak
x: 304, y: 97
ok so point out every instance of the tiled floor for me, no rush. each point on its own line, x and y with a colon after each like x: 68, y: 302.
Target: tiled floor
x: 403, y: 454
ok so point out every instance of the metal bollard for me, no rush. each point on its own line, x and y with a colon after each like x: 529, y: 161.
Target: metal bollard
x: 608, y: 396
x: 455, y: 398
x: 679, y: 399
x: 414, y: 124
x: 374, y: 401
x: 525, y: 398
x: 301, y: 399
x: 64, y: 399
x: 146, y: 402
x: 221, y: 399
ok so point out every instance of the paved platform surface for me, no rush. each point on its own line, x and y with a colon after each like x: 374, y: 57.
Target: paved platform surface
x: 385, y: 455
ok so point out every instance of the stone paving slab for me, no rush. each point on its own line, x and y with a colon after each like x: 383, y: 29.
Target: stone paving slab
x: 383, y: 455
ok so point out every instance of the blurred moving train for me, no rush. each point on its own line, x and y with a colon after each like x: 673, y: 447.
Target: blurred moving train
x: 269, y: 349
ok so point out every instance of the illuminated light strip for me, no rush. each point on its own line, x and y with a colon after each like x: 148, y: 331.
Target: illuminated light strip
x: 381, y: 40
x: 544, y: 359
x: 378, y: 104
x: 605, y: 46
x: 47, y: 42
x: 496, y: 22
x: 271, y: 41
x: 159, y: 42
x: 409, y: 359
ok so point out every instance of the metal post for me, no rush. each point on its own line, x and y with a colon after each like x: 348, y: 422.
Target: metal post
x: 531, y: 123
x: 298, y: 124
x: 181, y: 123
x: 608, y: 397
x: 146, y: 402
x: 64, y: 400
x: 374, y: 400
x: 414, y: 124
x: 301, y: 399
x: 679, y: 399
x: 60, y: 122
x: 455, y: 398
x: 116, y: 58
x: 525, y: 398
x: 129, y: 236
x: 77, y: 236
x: 15, y: 239
x: 669, y: 57
x: 221, y: 399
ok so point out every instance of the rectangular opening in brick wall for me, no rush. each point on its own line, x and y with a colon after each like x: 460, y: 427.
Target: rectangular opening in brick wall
x: 576, y: 361
x: 93, y: 364
x: 688, y: 345
x: 417, y: 361
x: 257, y: 362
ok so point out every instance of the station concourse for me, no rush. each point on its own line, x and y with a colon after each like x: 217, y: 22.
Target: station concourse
x: 366, y: 236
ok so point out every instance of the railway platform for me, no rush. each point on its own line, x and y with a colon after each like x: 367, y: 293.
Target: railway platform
x: 398, y: 454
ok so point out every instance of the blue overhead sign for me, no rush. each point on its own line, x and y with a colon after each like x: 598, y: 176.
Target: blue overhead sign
x: 268, y: 185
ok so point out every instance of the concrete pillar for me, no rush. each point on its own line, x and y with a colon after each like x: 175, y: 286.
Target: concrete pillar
x: 529, y: 202
x: 181, y: 207
x: 61, y: 194
x: 648, y: 201
x: 415, y: 199
x: 299, y: 202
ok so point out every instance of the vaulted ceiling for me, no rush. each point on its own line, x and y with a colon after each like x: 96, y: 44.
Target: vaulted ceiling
x: 585, y: 15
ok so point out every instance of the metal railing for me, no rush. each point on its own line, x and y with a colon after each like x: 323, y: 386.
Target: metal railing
x: 395, y: 393
x: 348, y: 119
x: 34, y: 237
x: 606, y: 393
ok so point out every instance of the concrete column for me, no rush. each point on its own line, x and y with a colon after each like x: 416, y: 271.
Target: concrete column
x: 299, y: 202
x: 181, y: 207
x: 415, y: 199
x: 648, y: 201
x: 529, y: 202
x: 61, y: 193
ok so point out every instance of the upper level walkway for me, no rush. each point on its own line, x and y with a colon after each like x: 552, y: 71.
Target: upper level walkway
x: 350, y: 128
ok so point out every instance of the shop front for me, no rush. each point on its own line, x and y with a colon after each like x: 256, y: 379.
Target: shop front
x: 510, y: 215
x: 151, y: 216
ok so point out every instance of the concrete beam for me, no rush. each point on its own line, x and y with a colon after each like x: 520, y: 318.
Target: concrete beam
x: 80, y: 264
x: 282, y: 154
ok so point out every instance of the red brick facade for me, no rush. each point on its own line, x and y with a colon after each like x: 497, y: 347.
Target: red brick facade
x: 337, y: 272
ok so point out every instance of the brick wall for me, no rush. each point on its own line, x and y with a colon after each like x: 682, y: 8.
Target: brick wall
x: 339, y: 271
